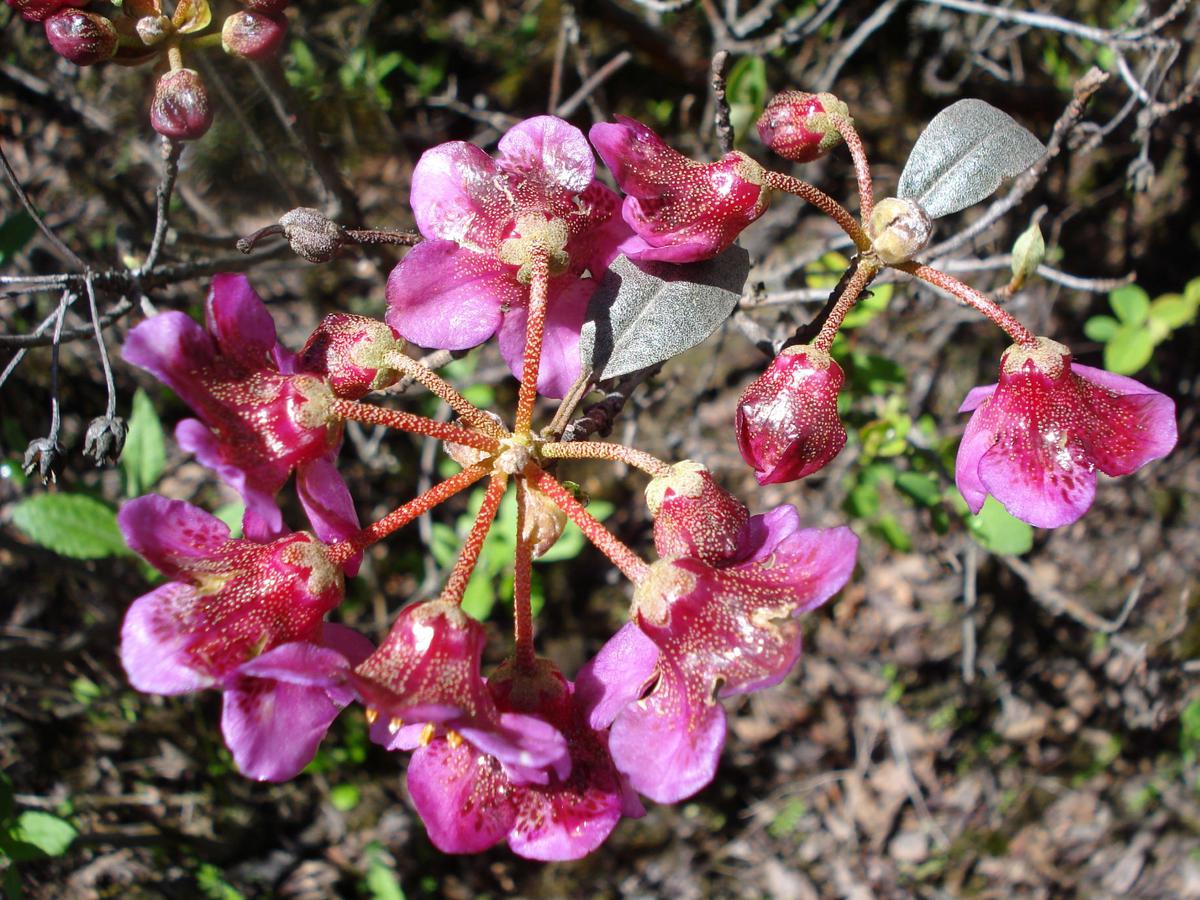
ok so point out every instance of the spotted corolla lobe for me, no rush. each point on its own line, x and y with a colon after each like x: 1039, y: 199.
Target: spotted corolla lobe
x: 482, y: 219
x: 1037, y: 437
x: 246, y: 617
x: 700, y: 632
x: 787, y: 420
x: 681, y: 210
x: 259, y: 418
x: 469, y: 800
x: 693, y: 515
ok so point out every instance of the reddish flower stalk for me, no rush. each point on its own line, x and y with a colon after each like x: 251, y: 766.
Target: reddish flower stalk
x: 631, y: 565
x: 973, y: 299
x: 862, y: 170
x: 401, y: 516
x: 435, y: 384
x: 456, y: 584
x: 864, y: 272
x: 539, y: 289
x: 523, y: 652
x: 402, y: 421
x: 780, y: 182
x: 651, y: 465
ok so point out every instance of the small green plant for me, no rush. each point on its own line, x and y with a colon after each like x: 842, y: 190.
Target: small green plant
x: 1139, y: 324
x: 27, y: 835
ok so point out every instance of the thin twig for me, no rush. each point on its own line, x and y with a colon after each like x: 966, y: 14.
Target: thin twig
x: 170, y: 154
x: 724, y: 127
x: 110, y: 408
x: 23, y: 196
x: 592, y: 82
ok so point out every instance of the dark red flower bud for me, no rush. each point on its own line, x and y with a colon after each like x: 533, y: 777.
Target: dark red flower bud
x: 787, y: 419
x: 266, y: 7
x: 352, y: 354
x: 40, y: 10
x: 253, y: 35
x: 180, y: 109
x: 796, y: 124
x: 694, y: 517
x: 82, y: 37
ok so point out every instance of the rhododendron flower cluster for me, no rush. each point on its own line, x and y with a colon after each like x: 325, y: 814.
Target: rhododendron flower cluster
x: 514, y: 248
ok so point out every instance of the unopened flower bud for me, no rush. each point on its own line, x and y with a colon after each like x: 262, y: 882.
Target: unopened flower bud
x: 312, y: 235
x: 253, y: 35
x: 796, y: 124
x: 266, y: 7
x: 352, y: 353
x: 152, y: 29
x: 43, y: 456
x: 787, y: 419
x: 82, y: 37
x: 40, y: 10
x: 543, y: 521
x: 105, y: 439
x: 1028, y: 253
x: 693, y: 515
x: 180, y: 109
x: 899, y: 229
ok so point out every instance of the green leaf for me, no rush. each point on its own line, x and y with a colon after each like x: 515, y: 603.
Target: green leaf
x: 863, y: 501
x: 1191, y: 293
x: 1101, y: 328
x: 479, y: 599
x: 1000, y: 532
x: 145, y: 453
x: 74, y: 525
x: 212, y: 884
x: 572, y: 540
x: 39, y: 834
x: 15, y: 232
x: 923, y: 489
x: 1173, y: 310
x: 444, y: 545
x: 868, y: 307
x: 747, y: 93
x: 893, y: 532
x: 1130, y: 303
x: 826, y: 271
x: 381, y: 880
x: 232, y: 515
x: 345, y: 797
x: 1128, y: 350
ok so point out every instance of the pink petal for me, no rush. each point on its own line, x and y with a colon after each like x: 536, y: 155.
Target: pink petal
x: 525, y: 746
x: 978, y: 438
x: 154, y: 643
x: 298, y: 662
x: 173, y: 348
x: 347, y: 642
x: 273, y: 728
x: 667, y: 745
x: 976, y: 396
x: 444, y: 296
x: 1143, y: 423
x: 456, y: 792
x: 616, y: 676
x: 549, y: 153
x: 238, y: 320
x: 1038, y: 486
x: 327, y: 501
x: 458, y: 195
x: 632, y: 151
x: 257, y: 487
x: 170, y: 533
x: 560, y: 366
x: 597, y: 230
x: 816, y: 563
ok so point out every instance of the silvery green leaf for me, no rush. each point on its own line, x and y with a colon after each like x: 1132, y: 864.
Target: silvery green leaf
x: 962, y: 156
x: 644, y: 313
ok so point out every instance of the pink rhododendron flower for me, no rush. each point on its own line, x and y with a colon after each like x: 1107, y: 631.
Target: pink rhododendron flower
x: 680, y: 210
x: 787, y: 419
x: 428, y: 671
x: 482, y: 219
x: 258, y: 418
x: 704, y: 630
x: 244, y: 617
x: 1037, y: 437
x: 469, y: 800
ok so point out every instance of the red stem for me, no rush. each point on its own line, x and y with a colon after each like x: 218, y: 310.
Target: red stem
x: 539, y: 288
x: 862, y: 170
x: 822, y: 201
x: 863, y: 274
x: 456, y: 584
x: 639, y: 459
x: 523, y: 653
x: 402, y: 421
x: 631, y: 565
x: 401, y: 516
x: 972, y: 298
x: 435, y: 384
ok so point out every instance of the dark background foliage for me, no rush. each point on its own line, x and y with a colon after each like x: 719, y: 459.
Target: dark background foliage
x: 964, y: 721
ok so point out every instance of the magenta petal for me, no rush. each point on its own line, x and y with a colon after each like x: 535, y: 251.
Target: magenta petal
x: 814, y: 562
x: 273, y: 728
x: 1044, y: 493
x: 616, y: 676
x: 560, y: 366
x: 549, y: 152
x: 976, y: 396
x: 553, y: 829
x: 327, y: 501
x: 346, y: 641
x: 257, y: 489
x: 1146, y: 427
x: 456, y: 793
x: 173, y: 348
x: 154, y: 643
x: 525, y: 745
x: 458, y: 195
x: 668, y: 745
x: 170, y: 533
x: 444, y: 296
x: 978, y: 438
x: 238, y: 320
x: 298, y: 662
